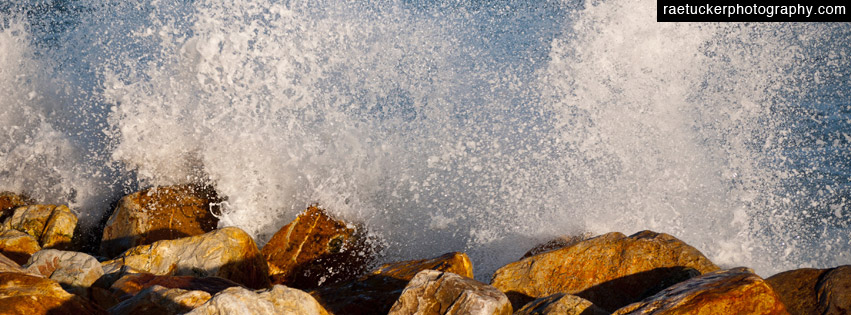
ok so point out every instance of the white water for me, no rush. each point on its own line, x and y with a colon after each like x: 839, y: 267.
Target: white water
x: 482, y: 129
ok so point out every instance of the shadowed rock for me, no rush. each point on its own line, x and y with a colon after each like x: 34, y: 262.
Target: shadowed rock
x: 18, y: 246
x: 834, y: 292
x: 9, y: 201
x: 34, y: 295
x: 376, y: 292
x: 159, y: 300
x: 734, y: 291
x: 797, y: 289
x: 561, y: 304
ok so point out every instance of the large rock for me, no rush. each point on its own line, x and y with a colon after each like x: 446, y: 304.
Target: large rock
x: 159, y: 213
x: 53, y: 226
x: 33, y: 295
x: 277, y: 300
x: 433, y: 292
x: 18, y: 246
x: 8, y: 265
x: 611, y: 270
x: 159, y: 300
x: 377, y: 291
x: 834, y: 292
x: 316, y: 249
x: 74, y: 271
x: 734, y: 291
x: 561, y: 304
x: 9, y: 201
x: 797, y: 289
x: 228, y: 253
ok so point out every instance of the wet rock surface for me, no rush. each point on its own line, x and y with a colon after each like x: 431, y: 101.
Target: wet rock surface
x: 159, y: 213
x: 316, y: 249
x: 74, y: 271
x: 561, y: 304
x: 277, y: 300
x: 433, y: 292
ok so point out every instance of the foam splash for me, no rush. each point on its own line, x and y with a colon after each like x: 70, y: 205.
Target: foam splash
x: 482, y: 129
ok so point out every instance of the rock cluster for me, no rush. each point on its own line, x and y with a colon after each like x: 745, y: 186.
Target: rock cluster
x: 162, y: 254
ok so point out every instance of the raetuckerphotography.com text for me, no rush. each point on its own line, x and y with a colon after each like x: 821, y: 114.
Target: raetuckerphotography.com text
x: 679, y: 11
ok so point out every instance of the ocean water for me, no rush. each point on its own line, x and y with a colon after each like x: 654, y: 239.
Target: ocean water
x: 476, y: 126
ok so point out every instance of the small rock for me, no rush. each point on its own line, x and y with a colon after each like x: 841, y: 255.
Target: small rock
x: 434, y: 292
x: 159, y: 300
x: 561, y: 304
x: 734, y: 291
x: 377, y: 291
x: 159, y: 213
x: 277, y: 300
x: 33, y: 295
x: 9, y: 201
x: 228, y: 253
x: 316, y: 249
x: 610, y: 270
x: 53, y: 226
x: 74, y: 271
x: 18, y: 246
x: 797, y: 289
x: 132, y: 283
x: 834, y: 292
x: 8, y: 265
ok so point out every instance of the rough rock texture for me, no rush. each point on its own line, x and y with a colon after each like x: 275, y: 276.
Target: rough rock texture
x: 228, y: 253
x: 454, y: 262
x: 73, y: 270
x: 556, y: 243
x: 316, y: 249
x: 53, y: 226
x: 158, y: 300
x: 277, y: 300
x: 734, y: 291
x: 434, y: 292
x: 377, y: 291
x: 797, y: 289
x: 18, y: 246
x: 9, y: 201
x: 133, y: 283
x: 834, y: 292
x: 561, y: 304
x: 610, y: 270
x: 8, y: 265
x: 32, y: 295
x: 159, y: 213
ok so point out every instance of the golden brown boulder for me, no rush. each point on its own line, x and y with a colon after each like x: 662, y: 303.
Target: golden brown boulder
x: 433, y: 292
x: 53, y: 226
x: 159, y: 300
x: 734, y: 291
x: 316, y: 249
x: 276, y: 300
x: 32, y: 295
x: 228, y: 253
x: 159, y: 213
x: 9, y: 201
x: 797, y: 289
x: 561, y: 304
x: 18, y: 246
x: 834, y: 292
x: 377, y: 291
x: 611, y: 270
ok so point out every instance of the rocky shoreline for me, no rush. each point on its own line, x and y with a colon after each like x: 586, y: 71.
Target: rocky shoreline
x: 160, y: 253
